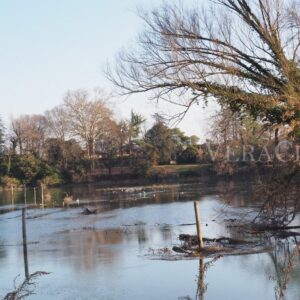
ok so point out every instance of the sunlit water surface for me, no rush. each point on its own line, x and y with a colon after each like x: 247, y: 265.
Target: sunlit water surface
x: 109, y: 255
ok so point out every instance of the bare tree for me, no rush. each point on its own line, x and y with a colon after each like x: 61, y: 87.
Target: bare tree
x: 59, y: 127
x: 244, y: 54
x: 110, y: 143
x: 29, y: 132
x: 58, y: 122
x: 280, y: 200
x: 88, y: 117
x: 225, y: 127
x: 16, y: 135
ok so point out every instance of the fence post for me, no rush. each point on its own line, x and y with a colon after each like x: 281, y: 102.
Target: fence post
x: 34, y: 195
x: 12, y: 194
x: 25, y: 195
x: 42, y: 187
x: 199, y: 231
x: 25, y: 243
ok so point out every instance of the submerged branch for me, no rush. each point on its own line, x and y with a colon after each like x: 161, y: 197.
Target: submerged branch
x: 25, y: 289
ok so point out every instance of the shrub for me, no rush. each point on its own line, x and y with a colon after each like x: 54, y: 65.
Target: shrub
x: 51, y: 180
x: 188, y: 156
x: 7, y: 181
x: 141, y: 167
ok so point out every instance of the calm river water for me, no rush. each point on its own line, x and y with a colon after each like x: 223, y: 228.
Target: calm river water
x: 109, y: 255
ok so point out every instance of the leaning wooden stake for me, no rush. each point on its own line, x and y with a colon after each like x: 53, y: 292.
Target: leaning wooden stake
x: 25, y: 243
x: 199, y: 231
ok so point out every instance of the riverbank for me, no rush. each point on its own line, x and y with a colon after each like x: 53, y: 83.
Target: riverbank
x: 207, y: 172
x: 162, y: 174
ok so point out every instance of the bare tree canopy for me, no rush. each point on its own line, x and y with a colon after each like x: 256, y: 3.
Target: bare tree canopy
x: 244, y: 54
x: 58, y: 122
x: 29, y: 132
x: 88, y: 116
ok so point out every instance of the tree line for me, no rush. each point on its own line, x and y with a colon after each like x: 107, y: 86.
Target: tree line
x: 82, y: 139
x: 243, y: 55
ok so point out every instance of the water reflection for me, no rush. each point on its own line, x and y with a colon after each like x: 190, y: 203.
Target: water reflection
x: 285, y: 257
x: 122, y: 197
x: 2, y: 249
x: 202, y: 287
x: 282, y: 271
x: 89, y: 249
x: 105, y: 255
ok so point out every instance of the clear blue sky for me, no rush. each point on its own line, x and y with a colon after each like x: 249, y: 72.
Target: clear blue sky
x: 48, y: 47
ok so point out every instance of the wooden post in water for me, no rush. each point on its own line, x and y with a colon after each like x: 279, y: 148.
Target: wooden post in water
x: 34, y: 195
x: 25, y: 243
x: 25, y: 195
x: 12, y: 194
x: 199, y: 231
x: 42, y: 187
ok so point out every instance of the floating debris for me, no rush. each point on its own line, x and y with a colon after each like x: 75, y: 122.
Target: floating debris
x: 89, y: 211
x: 218, y: 246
